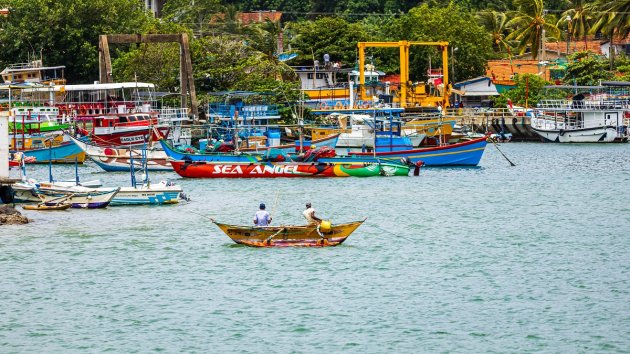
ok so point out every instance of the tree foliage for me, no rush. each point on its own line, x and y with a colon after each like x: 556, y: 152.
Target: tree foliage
x: 65, y: 32
x: 452, y: 24
x: 529, y: 22
x: 332, y: 35
x: 587, y: 69
x: 528, y: 91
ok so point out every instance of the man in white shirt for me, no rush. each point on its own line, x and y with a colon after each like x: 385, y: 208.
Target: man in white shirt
x: 309, y: 215
x: 262, y: 217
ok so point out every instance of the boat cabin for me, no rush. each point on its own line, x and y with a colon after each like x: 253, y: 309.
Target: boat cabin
x: 34, y: 72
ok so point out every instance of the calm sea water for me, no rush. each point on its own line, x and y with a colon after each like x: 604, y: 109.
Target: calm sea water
x: 532, y: 258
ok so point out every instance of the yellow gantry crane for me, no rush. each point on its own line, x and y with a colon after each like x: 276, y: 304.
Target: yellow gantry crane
x: 403, y: 47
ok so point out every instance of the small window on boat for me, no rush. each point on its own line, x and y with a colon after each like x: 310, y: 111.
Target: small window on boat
x: 309, y: 75
x: 122, y: 119
x: 131, y: 118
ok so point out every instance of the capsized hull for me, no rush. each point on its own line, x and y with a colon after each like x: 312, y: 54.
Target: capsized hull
x: 272, y: 170
x: 467, y: 153
x: 289, y: 236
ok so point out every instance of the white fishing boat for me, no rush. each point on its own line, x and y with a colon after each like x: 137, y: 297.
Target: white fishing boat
x: 147, y: 193
x: 361, y: 132
x: 596, y: 119
x: 118, y: 159
x: 78, y: 196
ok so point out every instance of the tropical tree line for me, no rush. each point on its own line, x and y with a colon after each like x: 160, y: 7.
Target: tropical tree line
x: 228, y: 54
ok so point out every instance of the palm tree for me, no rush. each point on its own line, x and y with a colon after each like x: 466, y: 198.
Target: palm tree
x: 581, y: 20
x: 613, y: 19
x: 529, y: 23
x: 496, y: 23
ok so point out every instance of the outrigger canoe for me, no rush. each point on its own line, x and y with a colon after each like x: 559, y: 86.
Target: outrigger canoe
x: 289, y: 235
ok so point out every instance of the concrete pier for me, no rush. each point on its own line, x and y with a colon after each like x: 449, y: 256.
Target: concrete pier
x: 6, y: 193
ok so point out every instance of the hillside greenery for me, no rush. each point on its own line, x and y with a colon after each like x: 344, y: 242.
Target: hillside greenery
x: 230, y: 55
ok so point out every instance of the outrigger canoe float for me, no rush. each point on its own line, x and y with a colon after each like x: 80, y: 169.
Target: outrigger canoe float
x: 289, y: 235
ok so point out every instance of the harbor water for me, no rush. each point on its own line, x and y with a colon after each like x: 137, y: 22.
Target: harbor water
x: 531, y: 258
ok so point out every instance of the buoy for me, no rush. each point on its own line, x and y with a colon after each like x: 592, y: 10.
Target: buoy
x: 325, y: 226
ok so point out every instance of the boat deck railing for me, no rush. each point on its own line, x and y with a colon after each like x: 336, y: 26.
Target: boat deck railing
x: 584, y: 105
x: 167, y: 115
x: 256, y: 111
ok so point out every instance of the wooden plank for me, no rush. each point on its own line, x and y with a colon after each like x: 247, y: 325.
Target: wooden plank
x: 144, y: 38
x: 105, y: 61
x: 188, y: 72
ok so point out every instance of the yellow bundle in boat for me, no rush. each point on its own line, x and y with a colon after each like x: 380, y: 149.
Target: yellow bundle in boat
x: 325, y: 226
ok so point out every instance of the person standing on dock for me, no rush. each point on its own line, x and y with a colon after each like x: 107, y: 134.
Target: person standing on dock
x: 309, y: 215
x: 262, y: 217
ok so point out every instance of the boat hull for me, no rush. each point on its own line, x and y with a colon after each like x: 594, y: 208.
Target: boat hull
x: 208, y: 157
x: 113, y: 159
x: 129, y: 136
x: 330, y: 141
x: 273, y: 170
x: 289, y: 236
x: 467, y: 153
x: 147, y: 196
x: 605, y: 134
x: 65, y: 153
x: 88, y: 198
x: 44, y: 207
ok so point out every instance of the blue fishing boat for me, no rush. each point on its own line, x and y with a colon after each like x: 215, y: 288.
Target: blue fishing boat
x: 191, y: 154
x: 466, y: 153
x: 67, y: 152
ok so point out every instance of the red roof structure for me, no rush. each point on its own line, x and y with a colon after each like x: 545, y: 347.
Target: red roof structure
x: 259, y: 16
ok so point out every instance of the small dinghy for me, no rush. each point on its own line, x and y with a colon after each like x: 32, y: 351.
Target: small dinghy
x: 44, y: 207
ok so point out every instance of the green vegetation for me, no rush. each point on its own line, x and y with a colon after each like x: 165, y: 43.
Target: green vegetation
x: 228, y: 54
x: 529, y: 90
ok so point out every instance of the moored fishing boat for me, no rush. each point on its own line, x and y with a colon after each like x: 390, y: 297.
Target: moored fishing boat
x: 596, y: 119
x: 130, y: 129
x: 148, y: 194
x: 78, y: 196
x: 113, y: 159
x: 289, y: 235
x: 38, y: 152
x: 202, y: 169
x: 466, y: 153
x: 44, y: 207
x: 195, y: 155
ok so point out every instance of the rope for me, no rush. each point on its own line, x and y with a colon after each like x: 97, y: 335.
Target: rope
x: 268, y: 239
x: 501, y: 152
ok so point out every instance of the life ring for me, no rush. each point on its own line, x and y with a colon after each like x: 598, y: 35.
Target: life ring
x: 366, y: 105
x: 323, y: 105
x: 338, y: 105
x: 82, y: 109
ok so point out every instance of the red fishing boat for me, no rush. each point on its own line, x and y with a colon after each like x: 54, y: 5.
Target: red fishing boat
x: 121, y: 129
x: 205, y: 169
